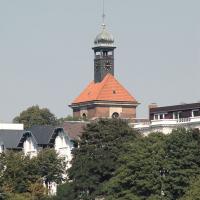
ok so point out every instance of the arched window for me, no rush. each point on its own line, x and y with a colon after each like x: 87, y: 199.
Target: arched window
x: 115, y: 115
x: 84, y: 116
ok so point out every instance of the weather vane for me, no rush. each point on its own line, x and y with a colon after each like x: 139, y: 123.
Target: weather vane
x: 103, y: 16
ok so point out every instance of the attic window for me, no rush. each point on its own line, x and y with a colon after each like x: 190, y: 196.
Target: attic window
x: 114, y: 92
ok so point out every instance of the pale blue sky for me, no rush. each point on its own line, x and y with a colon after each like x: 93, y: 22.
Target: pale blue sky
x: 46, y: 56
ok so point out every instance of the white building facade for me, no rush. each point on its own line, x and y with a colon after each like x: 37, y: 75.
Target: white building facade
x: 9, y: 126
x: 165, y: 119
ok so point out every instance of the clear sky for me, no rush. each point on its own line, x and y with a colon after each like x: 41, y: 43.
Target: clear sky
x: 46, y: 56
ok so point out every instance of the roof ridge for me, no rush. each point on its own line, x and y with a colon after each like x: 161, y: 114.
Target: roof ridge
x: 103, y: 85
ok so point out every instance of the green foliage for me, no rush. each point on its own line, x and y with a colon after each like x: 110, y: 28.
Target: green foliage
x: 68, y: 118
x: 2, y: 194
x: 96, y: 159
x: 157, y: 164
x: 66, y: 192
x: 14, y: 175
x: 36, y: 116
x: 139, y: 175
x: 22, y: 176
x: 15, y: 196
x: 50, y: 166
x: 183, y: 161
x: 193, y: 192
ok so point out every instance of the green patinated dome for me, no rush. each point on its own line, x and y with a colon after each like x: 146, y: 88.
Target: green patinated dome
x: 104, y: 38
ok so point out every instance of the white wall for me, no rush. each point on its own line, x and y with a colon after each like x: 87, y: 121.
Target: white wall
x: 30, y: 147
x: 164, y: 127
x: 6, y: 126
x: 63, y: 146
x: 1, y: 147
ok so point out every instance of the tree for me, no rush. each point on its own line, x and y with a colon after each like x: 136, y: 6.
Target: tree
x: 14, y: 176
x: 50, y: 167
x: 157, y: 166
x: 193, y: 192
x: 183, y: 161
x: 96, y: 159
x: 139, y: 176
x: 66, y: 191
x: 68, y: 118
x: 36, y: 116
x: 22, y: 177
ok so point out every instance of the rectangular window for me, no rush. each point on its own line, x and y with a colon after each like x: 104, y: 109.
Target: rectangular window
x: 156, y: 117
x: 98, y: 53
x: 175, y: 115
x: 196, y: 113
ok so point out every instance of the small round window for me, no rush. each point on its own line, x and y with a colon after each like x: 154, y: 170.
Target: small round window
x: 115, y: 115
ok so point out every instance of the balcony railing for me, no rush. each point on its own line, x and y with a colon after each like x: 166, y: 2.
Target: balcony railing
x: 167, y: 122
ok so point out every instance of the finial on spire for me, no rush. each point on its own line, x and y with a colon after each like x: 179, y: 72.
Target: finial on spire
x: 103, y: 15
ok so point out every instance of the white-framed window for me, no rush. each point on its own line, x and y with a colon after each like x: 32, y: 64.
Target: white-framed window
x: 196, y: 113
x: 176, y: 115
x: 156, y: 117
x: 159, y: 116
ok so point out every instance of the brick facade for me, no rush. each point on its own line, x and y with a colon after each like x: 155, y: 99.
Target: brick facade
x: 105, y: 111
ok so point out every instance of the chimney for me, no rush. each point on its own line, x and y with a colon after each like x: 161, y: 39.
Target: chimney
x: 153, y: 105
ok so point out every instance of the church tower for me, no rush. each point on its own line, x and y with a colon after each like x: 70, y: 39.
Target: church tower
x: 104, y: 97
x: 103, y: 55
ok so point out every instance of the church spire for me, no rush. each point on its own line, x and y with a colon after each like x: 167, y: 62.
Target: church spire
x: 103, y: 52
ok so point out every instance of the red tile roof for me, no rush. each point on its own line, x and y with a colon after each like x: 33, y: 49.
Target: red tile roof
x: 109, y: 89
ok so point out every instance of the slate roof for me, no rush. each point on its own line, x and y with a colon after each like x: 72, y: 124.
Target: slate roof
x: 11, y: 138
x: 42, y: 134
x: 109, y: 89
x: 74, y: 129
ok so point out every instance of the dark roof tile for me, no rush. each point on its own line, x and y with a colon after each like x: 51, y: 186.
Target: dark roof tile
x: 11, y: 138
x: 74, y: 129
x: 42, y: 134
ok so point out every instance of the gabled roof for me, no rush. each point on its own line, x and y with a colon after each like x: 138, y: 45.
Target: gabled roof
x: 11, y: 138
x: 109, y: 89
x: 43, y: 134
